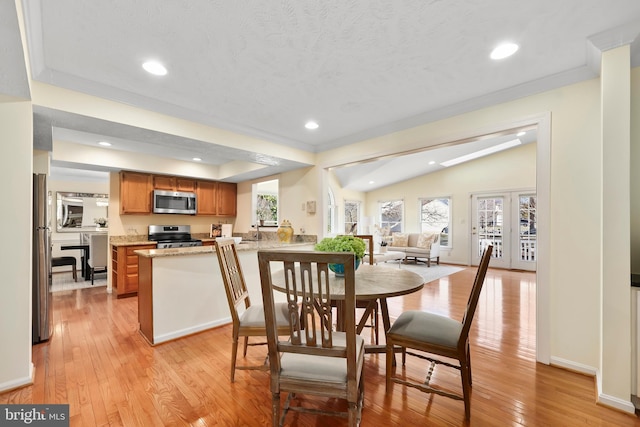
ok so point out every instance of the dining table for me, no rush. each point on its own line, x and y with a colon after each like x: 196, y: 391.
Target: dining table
x: 373, y: 283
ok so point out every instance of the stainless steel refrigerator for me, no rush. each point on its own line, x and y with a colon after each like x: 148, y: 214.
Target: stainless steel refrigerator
x: 42, y: 316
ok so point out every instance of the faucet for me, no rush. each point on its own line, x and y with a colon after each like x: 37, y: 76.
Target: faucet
x: 257, y: 226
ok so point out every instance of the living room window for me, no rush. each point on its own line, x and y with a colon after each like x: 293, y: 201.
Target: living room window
x: 391, y: 215
x: 351, y: 216
x: 435, y: 214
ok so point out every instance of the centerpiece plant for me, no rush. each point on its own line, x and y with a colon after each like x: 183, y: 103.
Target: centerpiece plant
x: 346, y: 243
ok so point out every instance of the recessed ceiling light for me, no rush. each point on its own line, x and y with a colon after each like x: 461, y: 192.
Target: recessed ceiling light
x: 311, y: 125
x: 432, y: 162
x: 197, y: 159
x: 504, y: 50
x: 154, y: 68
x: 372, y: 182
x: 104, y: 143
x: 523, y: 133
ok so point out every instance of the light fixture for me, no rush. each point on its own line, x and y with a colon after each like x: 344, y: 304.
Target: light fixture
x: 504, y: 50
x: 372, y: 182
x: 154, y: 68
x: 104, y: 143
x: 197, y: 159
x: 311, y: 125
x: 481, y: 153
x: 432, y: 162
x: 522, y: 133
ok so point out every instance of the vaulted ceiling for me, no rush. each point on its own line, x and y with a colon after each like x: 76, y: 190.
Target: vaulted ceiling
x: 360, y: 69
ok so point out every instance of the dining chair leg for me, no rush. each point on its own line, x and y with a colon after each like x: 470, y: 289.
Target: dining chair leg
x: 275, y: 410
x: 466, y: 389
x: 390, y: 358
x: 246, y: 344
x: 469, y: 363
x: 234, y: 355
x: 92, y: 274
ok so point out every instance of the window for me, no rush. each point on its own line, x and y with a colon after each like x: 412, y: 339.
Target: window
x: 435, y: 214
x: 266, y: 202
x: 351, y: 216
x: 391, y: 215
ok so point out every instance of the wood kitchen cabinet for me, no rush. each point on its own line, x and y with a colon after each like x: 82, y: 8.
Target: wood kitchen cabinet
x: 216, y: 198
x: 226, y: 199
x: 124, y: 269
x: 135, y: 192
x: 173, y: 183
x: 206, y: 193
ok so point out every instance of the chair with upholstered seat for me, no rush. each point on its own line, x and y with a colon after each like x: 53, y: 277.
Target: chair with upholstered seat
x: 313, y: 360
x: 247, y: 319
x: 98, y: 254
x: 435, y: 335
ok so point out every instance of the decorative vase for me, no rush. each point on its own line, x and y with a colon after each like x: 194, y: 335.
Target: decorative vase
x: 338, y: 269
x: 383, y: 249
x: 285, y: 232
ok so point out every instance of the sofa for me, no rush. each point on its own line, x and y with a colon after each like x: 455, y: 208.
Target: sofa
x: 419, y: 246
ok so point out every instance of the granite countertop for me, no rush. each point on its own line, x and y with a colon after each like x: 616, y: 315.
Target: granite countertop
x: 131, y: 243
x: 195, y: 250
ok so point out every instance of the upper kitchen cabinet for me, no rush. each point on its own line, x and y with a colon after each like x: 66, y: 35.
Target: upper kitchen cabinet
x: 135, y: 192
x: 216, y: 198
x: 227, y: 197
x: 173, y: 183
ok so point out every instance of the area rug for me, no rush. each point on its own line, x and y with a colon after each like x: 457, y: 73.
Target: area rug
x: 429, y: 274
x: 65, y: 282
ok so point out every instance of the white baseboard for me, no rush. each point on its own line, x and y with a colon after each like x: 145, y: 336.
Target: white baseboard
x: 19, y: 382
x: 612, y: 401
x: 573, y: 366
x: 189, y: 331
x: 603, y: 399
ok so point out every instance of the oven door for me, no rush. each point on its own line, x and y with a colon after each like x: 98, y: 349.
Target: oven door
x: 174, y: 202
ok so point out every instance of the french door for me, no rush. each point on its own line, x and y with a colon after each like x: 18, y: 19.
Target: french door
x: 508, y: 222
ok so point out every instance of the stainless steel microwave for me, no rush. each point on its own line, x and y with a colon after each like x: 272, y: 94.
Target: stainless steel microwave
x: 174, y: 202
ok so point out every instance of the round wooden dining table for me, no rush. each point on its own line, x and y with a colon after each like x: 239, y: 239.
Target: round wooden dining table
x: 373, y: 283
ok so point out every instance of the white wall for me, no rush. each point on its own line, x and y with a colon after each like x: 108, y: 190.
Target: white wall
x: 15, y: 292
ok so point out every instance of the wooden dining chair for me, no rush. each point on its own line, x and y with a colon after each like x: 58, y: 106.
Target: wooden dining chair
x: 314, y: 359
x: 248, y: 320
x: 435, y: 335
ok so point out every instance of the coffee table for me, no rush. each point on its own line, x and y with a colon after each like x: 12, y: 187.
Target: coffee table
x: 386, y: 256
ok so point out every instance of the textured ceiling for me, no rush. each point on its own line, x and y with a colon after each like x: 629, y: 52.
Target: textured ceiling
x: 359, y: 68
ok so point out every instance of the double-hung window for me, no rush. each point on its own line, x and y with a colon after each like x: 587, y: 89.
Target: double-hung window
x: 391, y: 215
x: 435, y: 215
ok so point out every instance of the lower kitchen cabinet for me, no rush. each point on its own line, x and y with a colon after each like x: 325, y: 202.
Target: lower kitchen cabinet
x: 124, y: 269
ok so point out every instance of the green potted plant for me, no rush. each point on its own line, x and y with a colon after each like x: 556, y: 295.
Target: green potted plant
x: 345, y: 243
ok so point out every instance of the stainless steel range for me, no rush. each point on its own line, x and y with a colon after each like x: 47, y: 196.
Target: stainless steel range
x: 172, y: 236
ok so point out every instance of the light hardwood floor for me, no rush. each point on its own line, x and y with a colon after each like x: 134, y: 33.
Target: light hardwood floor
x: 99, y: 364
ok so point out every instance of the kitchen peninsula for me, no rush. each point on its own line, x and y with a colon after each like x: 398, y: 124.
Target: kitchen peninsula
x: 181, y: 292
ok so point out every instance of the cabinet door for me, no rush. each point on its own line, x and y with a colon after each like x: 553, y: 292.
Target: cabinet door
x: 184, y: 184
x: 226, y: 200
x: 135, y: 192
x: 161, y: 182
x: 206, y: 192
